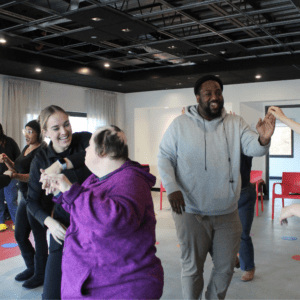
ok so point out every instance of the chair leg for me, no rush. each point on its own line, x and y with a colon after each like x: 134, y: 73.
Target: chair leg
x: 273, y: 200
x: 262, y: 200
x: 256, y: 199
x: 282, y: 202
x: 160, y: 200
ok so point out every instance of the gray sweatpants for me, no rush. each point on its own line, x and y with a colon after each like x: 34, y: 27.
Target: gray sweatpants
x: 198, y: 235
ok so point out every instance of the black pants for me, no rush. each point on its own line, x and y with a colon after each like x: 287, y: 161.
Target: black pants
x: 52, y: 282
x: 25, y: 222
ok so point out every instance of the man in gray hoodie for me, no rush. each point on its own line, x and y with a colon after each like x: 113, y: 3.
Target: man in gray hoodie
x: 199, y: 163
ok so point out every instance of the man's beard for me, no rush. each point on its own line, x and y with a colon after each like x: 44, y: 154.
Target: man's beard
x: 208, y: 111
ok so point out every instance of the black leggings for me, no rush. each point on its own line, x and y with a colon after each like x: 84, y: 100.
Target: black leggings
x: 25, y: 222
x: 52, y: 282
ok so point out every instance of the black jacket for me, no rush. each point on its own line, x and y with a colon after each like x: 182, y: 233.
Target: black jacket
x: 4, y: 181
x: 40, y: 205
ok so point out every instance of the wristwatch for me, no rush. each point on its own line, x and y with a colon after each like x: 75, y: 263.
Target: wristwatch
x: 62, y: 163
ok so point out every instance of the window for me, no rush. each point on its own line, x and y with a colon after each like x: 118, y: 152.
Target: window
x: 282, y: 142
x: 78, y: 121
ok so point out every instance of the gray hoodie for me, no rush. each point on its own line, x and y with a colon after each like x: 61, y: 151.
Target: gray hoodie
x: 201, y: 159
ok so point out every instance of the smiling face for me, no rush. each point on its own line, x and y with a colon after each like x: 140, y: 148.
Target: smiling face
x: 59, y: 131
x: 210, y: 100
x: 31, y: 136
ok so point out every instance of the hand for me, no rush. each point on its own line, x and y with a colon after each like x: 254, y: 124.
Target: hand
x: 266, y: 128
x: 177, y: 202
x: 290, y: 211
x: 183, y: 111
x: 2, y: 158
x: 277, y: 112
x: 57, y: 229
x: 55, y: 168
x: 9, y: 173
x: 58, y: 181
x: 231, y: 113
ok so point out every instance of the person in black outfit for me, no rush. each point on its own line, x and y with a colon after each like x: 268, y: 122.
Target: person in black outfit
x: 10, y: 149
x: 5, y: 179
x: 35, y: 260
x: 66, y: 154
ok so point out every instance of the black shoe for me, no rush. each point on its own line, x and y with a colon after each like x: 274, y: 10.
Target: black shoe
x: 24, y: 275
x: 34, y: 282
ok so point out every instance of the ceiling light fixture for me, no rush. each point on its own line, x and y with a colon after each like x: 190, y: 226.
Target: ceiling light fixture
x: 172, y: 47
x: 96, y: 19
x: 120, y: 84
x: 217, y: 75
x: 179, y: 83
x: 126, y: 30
x: 2, y: 41
x: 205, y: 60
x: 223, y: 51
x: 84, y: 71
x: 258, y: 76
x: 106, y: 65
x: 38, y: 70
x: 93, y: 37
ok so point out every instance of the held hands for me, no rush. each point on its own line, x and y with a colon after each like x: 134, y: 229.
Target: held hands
x: 177, y: 202
x: 277, y: 112
x: 266, y: 128
x: 57, y: 229
x: 53, y: 183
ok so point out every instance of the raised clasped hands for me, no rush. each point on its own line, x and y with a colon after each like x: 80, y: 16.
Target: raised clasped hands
x: 277, y: 112
x: 266, y: 127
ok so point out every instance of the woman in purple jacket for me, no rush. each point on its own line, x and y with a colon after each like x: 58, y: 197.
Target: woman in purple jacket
x: 109, y: 250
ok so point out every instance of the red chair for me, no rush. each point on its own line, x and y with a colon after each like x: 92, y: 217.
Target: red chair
x: 290, y: 188
x: 256, y: 177
x: 162, y: 189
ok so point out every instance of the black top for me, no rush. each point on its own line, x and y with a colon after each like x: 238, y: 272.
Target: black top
x: 11, y: 149
x: 4, y: 181
x: 22, y: 164
x: 246, y: 164
x: 40, y: 205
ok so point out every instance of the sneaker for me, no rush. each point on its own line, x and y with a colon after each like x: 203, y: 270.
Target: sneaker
x: 3, y: 227
x: 248, y: 275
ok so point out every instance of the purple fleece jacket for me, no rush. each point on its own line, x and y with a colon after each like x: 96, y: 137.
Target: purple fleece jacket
x: 109, y: 250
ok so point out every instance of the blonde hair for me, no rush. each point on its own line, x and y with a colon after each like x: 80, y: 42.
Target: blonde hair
x: 46, y: 113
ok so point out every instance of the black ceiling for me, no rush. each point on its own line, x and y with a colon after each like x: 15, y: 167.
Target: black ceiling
x: 150, y: 44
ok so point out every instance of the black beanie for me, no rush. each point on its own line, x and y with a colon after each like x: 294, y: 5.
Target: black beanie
x: 204, y: 79
x: 35, y: 125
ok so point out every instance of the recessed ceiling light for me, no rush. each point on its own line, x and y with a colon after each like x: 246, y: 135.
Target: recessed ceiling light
x: 84, y: 71
x: 172, y: 47
x: 126, y: 30
x: 223, y: 51
x: 205, y: 60
x: 120, y: 84
x: 217, y: 75
x: 96, y: 19
x: 179, y: 83
x: 93, y: 37
x: 258, y: 76
x: 38, y: 70
x: 106, y: 65
x: 2, y: 41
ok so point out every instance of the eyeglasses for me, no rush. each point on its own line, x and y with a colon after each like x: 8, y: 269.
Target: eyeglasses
x: 27, y: 131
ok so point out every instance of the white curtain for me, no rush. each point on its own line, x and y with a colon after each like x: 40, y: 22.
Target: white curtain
x: 101, y: 109
x: 21, y: 103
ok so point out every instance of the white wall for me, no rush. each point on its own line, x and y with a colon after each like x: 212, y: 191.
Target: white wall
x: 69, y: 97
x: 260, y: 94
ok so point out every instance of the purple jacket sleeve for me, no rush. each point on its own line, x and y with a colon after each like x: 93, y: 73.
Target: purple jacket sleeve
x: 116, y: 211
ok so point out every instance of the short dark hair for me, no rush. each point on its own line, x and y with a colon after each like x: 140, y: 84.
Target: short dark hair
x: 205, y: 78
x: 109, y: 142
